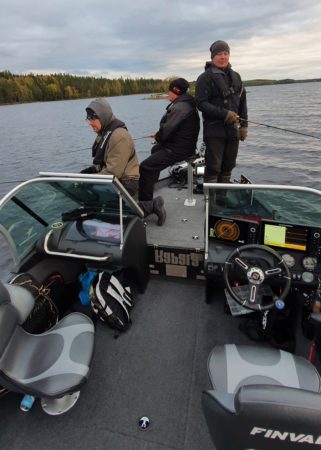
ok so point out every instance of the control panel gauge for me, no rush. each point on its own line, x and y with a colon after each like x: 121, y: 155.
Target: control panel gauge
x: 289, y: 260
x: 225, y: 229
x: 309, y: 262
x: 307, y: 277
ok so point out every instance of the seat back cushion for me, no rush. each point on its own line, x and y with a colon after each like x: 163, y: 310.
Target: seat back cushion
x: 8, y: 324
x: 265, y: 417
x: 231, y: 366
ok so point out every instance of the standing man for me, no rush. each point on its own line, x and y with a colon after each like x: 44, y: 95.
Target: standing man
x: 221, y: 97
x: 113, y: 150
x: 176, y: 140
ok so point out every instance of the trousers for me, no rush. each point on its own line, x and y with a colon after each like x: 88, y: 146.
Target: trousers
x: 220, y: 157
x: 150, y: 168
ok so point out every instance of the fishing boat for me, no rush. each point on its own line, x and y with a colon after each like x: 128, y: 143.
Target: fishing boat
x: 223, y: 346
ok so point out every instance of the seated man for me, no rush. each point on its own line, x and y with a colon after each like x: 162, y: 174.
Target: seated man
x: 176, y: 140
x: 113, y: 150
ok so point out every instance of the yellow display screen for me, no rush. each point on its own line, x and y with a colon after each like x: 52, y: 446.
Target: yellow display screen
x: 286, y: 236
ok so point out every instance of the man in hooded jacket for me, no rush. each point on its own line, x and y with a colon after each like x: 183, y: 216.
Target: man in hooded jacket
x: 113, y: 150
x: 176, y: 140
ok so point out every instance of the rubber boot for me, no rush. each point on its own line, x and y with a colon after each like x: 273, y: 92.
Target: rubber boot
x: 147, y: 206
x: 159, y: 210
x: 210, y: 179
x: 224, y: 178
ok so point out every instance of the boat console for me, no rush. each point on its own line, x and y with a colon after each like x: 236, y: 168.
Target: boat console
x: 286, y: 221
x: 299, y: 246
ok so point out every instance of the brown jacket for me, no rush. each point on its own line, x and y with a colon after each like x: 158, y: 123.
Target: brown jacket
x: 119, y: 149
x: 120, y: 158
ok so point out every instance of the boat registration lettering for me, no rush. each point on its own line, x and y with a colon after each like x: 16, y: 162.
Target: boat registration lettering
x: 181, y: 259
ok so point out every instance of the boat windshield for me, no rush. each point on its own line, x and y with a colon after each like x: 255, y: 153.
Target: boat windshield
x: 294, y: 205
x: 33, y: 206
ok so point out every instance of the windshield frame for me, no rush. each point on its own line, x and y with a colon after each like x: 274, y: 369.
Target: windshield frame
x: 48, y: 177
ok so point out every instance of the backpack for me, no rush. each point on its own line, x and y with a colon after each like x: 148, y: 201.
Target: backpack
x: 110, y: 301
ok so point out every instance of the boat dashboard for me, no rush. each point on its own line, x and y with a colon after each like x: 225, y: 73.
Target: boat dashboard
x: 299, y: 246
x: 286, y: 221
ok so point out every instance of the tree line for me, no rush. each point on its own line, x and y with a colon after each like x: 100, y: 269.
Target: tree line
x: 37, y: 88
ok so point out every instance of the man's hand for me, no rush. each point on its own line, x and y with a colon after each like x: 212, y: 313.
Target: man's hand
x: 231, y: 117
x: 243, y: 131
x: 90, y: 169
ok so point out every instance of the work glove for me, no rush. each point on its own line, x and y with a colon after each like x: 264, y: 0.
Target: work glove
x: 231, y: 117
x: 243, y: 131
x: 90, y: 169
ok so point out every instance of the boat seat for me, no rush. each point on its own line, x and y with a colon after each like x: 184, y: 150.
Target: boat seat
x: 52, y: 365
x: 262, y: 398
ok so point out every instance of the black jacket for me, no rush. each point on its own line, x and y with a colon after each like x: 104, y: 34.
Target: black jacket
x: 179, y: 126
x: 218, y: 91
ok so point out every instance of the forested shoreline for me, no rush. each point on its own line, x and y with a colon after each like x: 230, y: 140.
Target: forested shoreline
x: 38, y: 88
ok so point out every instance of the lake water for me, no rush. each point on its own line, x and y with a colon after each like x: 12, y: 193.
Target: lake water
x: 54, y: 137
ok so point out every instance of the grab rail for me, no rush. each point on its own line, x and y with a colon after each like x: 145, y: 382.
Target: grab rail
x: 71, y: 255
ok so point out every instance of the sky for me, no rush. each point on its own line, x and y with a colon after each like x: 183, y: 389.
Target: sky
x: 270, y: 39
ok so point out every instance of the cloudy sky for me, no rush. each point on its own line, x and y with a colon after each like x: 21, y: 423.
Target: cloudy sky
x: 143, y: 38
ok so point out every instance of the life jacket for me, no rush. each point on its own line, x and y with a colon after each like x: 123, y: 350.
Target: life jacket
x: 228, y: 84
x: 99, y: 148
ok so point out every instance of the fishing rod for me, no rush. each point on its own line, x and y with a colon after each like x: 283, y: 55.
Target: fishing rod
x: 278, y: 128
x: 143, y: 137
x: 13, y: 181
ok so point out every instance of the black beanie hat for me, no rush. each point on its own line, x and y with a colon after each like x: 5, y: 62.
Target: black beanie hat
x: 179, y: 86
x: 217, y: 47
x: 91, y: 114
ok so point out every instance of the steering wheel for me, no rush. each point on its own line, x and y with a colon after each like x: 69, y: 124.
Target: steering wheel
x: 256, y: 275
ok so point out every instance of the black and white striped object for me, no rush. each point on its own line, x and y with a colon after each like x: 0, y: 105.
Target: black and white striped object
x: 111, y: 301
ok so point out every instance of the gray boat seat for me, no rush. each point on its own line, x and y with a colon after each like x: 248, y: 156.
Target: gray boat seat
x: 48, y: 365
x: 262, y: 398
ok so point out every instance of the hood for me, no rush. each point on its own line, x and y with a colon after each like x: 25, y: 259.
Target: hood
x: 103, y: 110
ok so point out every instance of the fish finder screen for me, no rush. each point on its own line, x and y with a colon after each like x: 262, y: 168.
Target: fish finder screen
x: 286, y: 236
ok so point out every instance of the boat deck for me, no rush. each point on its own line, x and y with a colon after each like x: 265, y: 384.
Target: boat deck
x: 184, y: 226
x: 177, y: 247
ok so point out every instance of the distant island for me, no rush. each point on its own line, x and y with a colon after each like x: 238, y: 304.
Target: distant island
x: 158, y: 96
x: 38, y: 88
x: 260, y: 82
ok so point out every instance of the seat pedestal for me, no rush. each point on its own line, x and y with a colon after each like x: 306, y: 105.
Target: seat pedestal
x: 57, y: 406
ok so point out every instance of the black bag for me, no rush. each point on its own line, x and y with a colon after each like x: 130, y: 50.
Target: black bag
x: 110, y: 301
x: 274, y: 326
x: 44, y: 314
